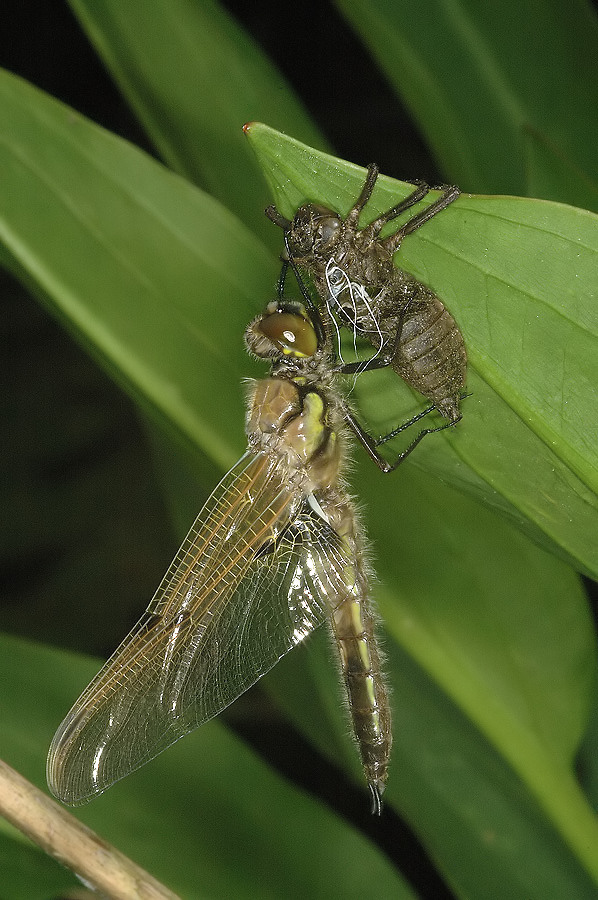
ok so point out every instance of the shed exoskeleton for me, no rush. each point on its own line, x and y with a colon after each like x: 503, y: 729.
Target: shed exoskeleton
x: 358, y: 283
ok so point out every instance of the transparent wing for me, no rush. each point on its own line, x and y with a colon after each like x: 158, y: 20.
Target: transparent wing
x: 258, y: 571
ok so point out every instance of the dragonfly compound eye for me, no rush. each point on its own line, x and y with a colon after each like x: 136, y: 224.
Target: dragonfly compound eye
x: 290, y: 333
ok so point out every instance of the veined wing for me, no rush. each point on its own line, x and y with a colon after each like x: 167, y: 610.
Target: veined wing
x: 258, y: 571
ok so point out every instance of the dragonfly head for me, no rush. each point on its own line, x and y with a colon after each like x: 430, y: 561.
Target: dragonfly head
x: 284, y: 330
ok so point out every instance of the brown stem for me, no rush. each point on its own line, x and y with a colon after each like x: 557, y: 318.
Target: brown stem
x: 74, y: 845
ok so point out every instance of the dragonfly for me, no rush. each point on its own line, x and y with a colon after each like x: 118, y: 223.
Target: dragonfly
x: 276, y: 551
x: 403, y: 319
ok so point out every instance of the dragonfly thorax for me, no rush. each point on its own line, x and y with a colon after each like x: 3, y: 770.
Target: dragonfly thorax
x: 295, y: 421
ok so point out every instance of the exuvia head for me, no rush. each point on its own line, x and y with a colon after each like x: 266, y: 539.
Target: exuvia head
x: 283, y: 330
x: 314, y: 230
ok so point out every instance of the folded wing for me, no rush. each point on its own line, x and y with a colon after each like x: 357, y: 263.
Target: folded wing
x: 258, y: 571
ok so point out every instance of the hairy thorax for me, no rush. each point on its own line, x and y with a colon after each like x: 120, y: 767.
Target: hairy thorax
x: 295, y: 421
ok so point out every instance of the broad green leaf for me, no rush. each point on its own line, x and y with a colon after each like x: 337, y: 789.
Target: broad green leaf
x: 208, y: 818
x: 484, y: 614
x: 481, y: 823
x: 125, y: 252
x: 519, y: 277
x: 194, y: 77
x: 478, y: 77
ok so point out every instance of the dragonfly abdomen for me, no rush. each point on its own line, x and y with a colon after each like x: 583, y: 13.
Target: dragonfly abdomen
x: 353, y: 628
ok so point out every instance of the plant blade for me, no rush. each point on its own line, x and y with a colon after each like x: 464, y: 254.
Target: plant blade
x: 479, y: 78
x: 519, y: 277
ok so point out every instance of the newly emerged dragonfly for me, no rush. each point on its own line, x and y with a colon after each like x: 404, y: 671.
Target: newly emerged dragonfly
x: 405, y: 321
x: 275, y: 551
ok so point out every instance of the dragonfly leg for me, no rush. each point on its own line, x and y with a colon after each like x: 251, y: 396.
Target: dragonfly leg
x: 405, y: 453
x: 371, y: 444
x: 416, y: 418
x: 450, y: 193
x: 282, y: 279
x: 278, y: 219
x: 366, y: 193
x: 375, y: 227
x: 368, y: 443
x: 365, y: 365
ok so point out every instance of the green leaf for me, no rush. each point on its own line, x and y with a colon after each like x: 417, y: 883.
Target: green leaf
x: 205, y: 817
x: 194, y: 78
x: 484, y: 614
x: 519, y: 277
x: 145, y: 268
x: 478, y: 77
x: 454, y: 788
